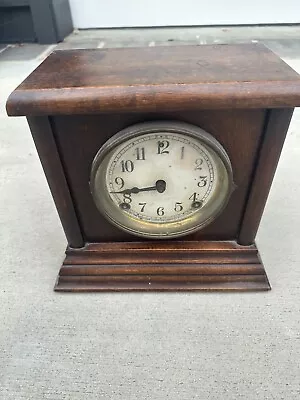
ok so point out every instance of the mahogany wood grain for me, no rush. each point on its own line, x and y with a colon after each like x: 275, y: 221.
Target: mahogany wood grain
x: 50, y: 160
x: 240, y: 283
x: 265, y: 167
x: 160, y: 269
x: 157, y: 78
x: 163, y: 266
x: 176, y: 252
x: 76, y: 100
x: 80, y: 137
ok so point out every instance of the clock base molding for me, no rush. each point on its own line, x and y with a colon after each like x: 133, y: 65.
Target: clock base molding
x: 162, y: 266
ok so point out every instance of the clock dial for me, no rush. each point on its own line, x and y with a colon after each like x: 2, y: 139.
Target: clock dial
x: 161, y: 179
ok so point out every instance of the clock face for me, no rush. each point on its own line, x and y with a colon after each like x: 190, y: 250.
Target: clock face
x: 161, y: 179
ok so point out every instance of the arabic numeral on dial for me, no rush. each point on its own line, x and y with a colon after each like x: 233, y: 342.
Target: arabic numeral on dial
x: 127, y: 166
x: 140, y: 153
x: 160, y: 211
x: 195, y: 202
x: 143, y: 206
x: 127, y: 198
x: 203, y: 181
x: 198, y: 163
x: 194, y: 196
x: 178, y: 207
x: 162, y: 146
x: 120, y: 182
x: 126, y: 202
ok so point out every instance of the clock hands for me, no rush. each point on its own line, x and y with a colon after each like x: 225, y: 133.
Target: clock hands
x: 160, y: 187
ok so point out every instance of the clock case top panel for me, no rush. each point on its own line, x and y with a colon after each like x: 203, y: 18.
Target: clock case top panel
x: 79, y: 138
x: 157, y: 78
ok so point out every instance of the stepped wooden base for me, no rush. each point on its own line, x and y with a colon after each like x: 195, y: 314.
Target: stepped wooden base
x: 162, y: 266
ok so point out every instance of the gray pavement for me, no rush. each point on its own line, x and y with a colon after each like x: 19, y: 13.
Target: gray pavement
x: 140, y: 346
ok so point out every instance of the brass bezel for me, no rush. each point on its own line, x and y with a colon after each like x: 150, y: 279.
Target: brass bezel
x: 159, y: 230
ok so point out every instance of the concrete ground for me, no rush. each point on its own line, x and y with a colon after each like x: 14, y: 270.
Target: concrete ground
x: 141, y: 346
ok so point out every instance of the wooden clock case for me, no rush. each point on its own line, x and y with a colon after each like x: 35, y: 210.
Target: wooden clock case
x: 243, y: 95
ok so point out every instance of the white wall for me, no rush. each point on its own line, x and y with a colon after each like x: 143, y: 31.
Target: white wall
x: 126, y: 13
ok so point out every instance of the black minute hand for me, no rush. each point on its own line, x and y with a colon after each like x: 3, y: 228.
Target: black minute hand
x: 160, y: 186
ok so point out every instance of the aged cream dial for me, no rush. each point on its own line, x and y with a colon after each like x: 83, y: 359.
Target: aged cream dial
x: 161, y: 179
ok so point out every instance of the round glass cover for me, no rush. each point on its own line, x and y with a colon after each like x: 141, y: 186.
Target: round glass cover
x: 161, y: 179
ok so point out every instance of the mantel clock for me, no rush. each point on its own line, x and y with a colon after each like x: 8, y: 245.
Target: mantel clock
x: 160, y: 161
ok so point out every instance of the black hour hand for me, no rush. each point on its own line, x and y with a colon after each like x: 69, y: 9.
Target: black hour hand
x: 160, y: 187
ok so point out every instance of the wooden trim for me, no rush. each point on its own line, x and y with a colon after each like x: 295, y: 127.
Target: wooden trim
x: 168, y: 266
x: 171, y: 252
x: 142, y: 98
x: 89, y: 81
x: 270, y: 149
x: 53, y: 169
